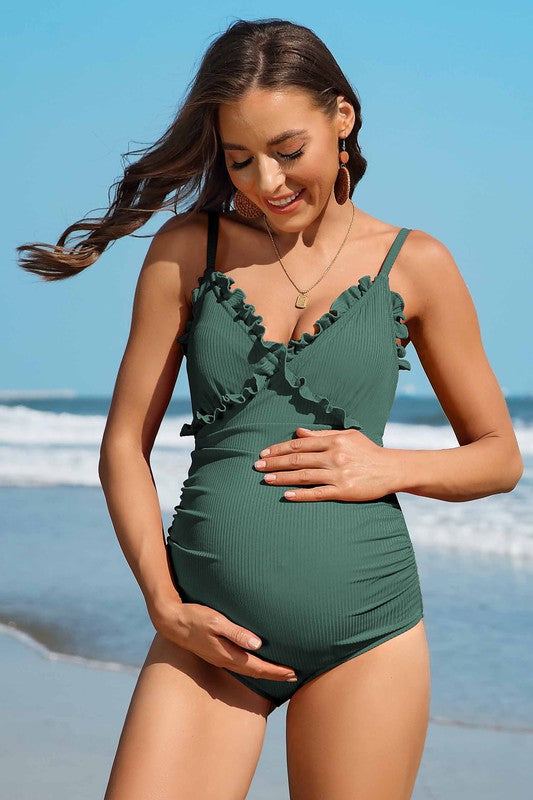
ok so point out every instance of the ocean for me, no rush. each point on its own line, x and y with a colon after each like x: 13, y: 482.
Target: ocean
x: 65, y: 586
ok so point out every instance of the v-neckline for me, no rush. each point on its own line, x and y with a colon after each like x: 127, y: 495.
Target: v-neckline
x: 329, y: 318
x: 236, y: 302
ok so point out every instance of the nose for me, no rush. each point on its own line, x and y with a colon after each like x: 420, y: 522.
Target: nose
x: 270, y: 179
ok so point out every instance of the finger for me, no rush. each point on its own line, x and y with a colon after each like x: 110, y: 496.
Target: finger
x: 312, y: 495
x: 301, y: 477
x: 317, y: 432
x: 233, y: 640
x: 306, y: 444
x: 257, y: 668
x: 302, y: 460
x: 233, y: 657
x: 242, y: 637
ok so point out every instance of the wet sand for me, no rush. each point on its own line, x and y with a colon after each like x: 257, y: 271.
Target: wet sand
x: 61, y: 721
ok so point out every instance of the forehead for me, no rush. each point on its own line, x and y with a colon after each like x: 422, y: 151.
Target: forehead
x: 263, y: 113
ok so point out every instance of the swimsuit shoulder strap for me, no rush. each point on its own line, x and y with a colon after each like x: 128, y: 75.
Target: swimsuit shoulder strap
x: 395, y: 247
x: 212, y: 239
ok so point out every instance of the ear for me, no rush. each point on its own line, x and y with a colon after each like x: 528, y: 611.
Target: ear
x: 346, y: 117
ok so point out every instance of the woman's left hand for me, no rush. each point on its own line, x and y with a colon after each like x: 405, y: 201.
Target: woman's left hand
x: 339, y: 464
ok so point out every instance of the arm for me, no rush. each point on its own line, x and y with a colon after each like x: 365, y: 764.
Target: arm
x: 144, y: 386
x: 444, y: 328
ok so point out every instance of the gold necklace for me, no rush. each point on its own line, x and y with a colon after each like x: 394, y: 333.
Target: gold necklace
x: 301, y: 299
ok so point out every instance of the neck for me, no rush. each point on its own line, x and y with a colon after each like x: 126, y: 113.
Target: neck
x: 328, y: 228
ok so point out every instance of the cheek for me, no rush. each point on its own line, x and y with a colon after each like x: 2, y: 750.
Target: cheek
x: 319, y: 172
x: 241, y: 179
x: 319, y: 177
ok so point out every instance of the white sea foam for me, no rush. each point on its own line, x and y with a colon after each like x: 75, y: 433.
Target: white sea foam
x: 52, y: 655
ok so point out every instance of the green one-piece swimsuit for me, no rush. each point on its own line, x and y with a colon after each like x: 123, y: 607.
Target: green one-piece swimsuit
x: 320, y: 582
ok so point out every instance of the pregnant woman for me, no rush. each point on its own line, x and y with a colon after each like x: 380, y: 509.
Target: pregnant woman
x: 287, y: 574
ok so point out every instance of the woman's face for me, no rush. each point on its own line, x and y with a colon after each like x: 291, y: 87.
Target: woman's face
x: 277, y: 144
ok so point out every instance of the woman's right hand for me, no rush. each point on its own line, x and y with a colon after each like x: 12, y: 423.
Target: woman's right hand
x: 216, y: 639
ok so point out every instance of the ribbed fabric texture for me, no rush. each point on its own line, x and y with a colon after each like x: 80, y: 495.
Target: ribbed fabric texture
x: 319, y: 582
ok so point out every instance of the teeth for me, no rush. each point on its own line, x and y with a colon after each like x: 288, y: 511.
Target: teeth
x: 284, y: 202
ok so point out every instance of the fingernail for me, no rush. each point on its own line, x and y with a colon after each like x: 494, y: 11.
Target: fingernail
x: 260, y: 463
x: 292, y: 680
x: 254, y: 642
x: 265, y: 452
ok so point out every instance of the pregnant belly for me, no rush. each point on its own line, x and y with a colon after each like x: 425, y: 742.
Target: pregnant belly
x: 283, y: 568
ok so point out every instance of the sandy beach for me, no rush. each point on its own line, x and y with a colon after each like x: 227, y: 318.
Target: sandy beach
x: 62, y: 720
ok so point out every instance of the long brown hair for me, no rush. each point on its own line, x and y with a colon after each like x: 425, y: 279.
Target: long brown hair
x: 187, y: 160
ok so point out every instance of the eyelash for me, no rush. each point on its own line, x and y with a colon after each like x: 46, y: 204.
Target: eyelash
x: 289, y: 157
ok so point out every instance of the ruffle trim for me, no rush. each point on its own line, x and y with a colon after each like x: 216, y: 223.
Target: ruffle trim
x: 272, y: 361
x: 241, y: 309
x: 277, y: 354
x: 184, y: 338
x: 245, y: 312
x: 338, y: 416
x: 400, y: 328
x: 253, y: 322
x: 262, y: 371
x: 340, y: 305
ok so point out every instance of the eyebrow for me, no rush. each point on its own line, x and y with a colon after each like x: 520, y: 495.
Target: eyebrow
x: 276, y: 140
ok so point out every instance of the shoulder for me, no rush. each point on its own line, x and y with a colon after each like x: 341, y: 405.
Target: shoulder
x: 190, y: 228
x: 181, y: 237
x: 177, y: 253
x: 425, y: 249
x: 429, y: 275
x: 184, y: 236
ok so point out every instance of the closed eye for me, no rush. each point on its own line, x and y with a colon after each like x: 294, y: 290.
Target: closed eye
x: 287, y: 157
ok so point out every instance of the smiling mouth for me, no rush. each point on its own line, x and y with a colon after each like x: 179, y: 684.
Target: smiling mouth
x: 286, y: 202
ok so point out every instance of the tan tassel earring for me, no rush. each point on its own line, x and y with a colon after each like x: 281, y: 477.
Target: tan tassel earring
x: 245, y: 207
x: 342, y: 182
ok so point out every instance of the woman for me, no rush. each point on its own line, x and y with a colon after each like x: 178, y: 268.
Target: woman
x: 288, y: 528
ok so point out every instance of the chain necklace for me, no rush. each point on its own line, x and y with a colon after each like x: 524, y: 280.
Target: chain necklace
x: 301, y: 299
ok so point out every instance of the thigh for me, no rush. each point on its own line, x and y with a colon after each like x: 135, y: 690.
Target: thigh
x: 358, y: 730
x: 191, y: 731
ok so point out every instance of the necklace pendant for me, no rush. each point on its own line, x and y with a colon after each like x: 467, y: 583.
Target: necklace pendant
x: 301, y: 301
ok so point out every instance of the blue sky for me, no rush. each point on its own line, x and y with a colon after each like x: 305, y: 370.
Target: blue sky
x: 447, y: 132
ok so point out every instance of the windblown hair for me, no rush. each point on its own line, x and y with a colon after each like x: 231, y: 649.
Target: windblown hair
x: 188, y: 160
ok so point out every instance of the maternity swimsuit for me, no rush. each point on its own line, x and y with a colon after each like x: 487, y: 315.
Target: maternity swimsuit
x: 322, y: 581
